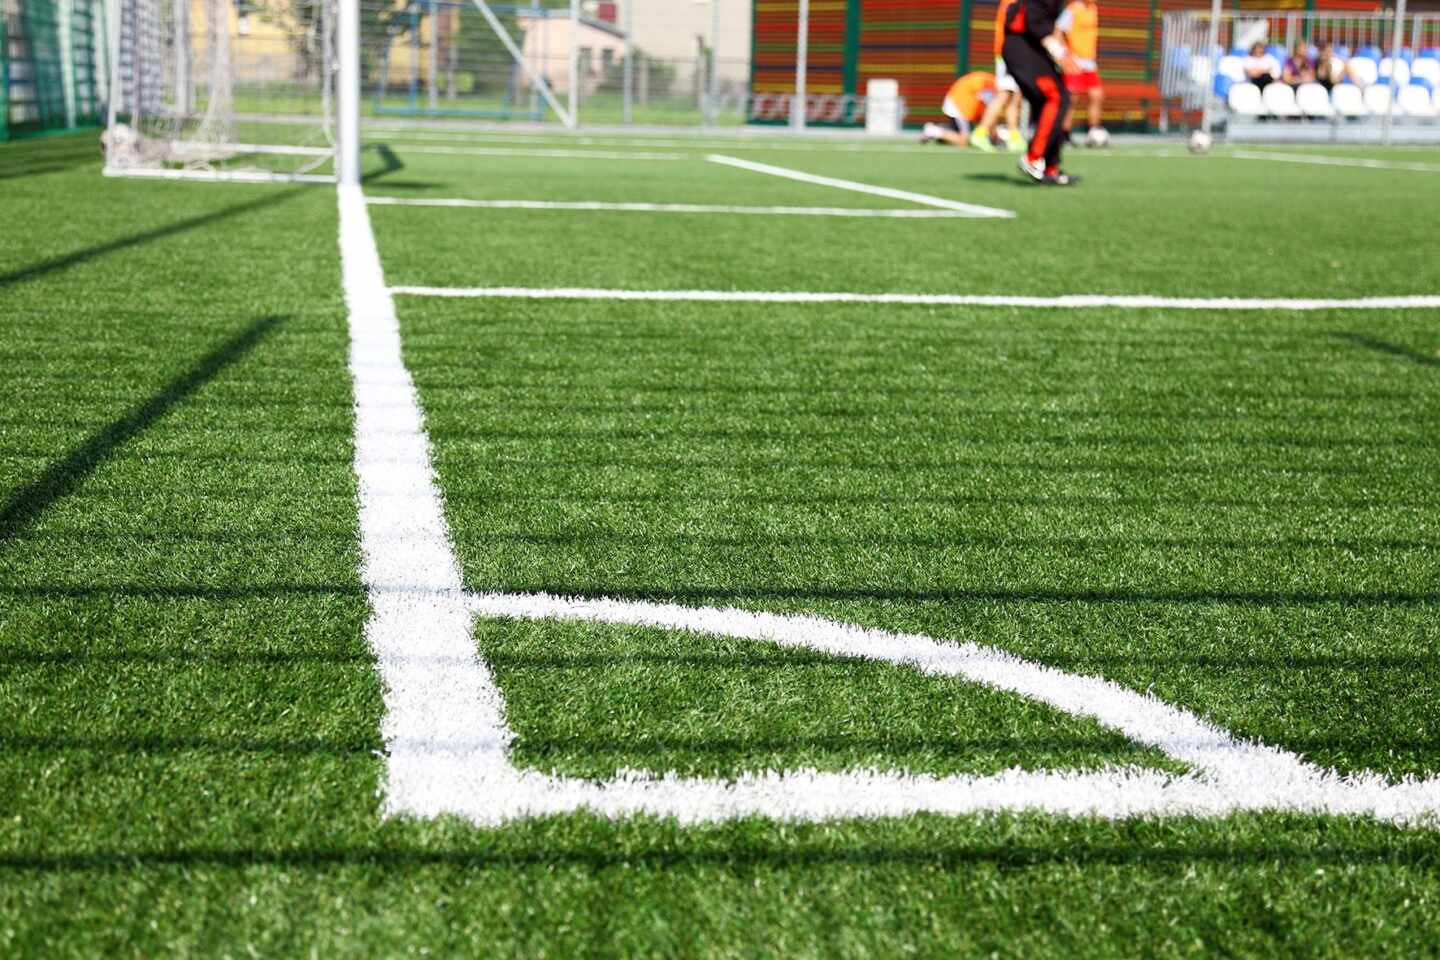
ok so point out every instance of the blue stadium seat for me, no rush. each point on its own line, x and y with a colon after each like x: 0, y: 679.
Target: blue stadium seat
x: 1222, y: 85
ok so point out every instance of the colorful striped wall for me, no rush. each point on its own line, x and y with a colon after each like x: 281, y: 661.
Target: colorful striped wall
x: 924, y: 44
x: 913, y: 41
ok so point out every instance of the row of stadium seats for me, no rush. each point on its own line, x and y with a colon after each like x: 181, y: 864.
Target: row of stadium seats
x: 1312, y: 100
x: 1363, y: 71
x: 1419, y: 69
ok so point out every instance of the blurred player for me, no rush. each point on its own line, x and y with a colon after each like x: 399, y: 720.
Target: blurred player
x: 1007, y: 96
x: 965, y: 102
x: 1080, y: 23
x: 1036, y: 57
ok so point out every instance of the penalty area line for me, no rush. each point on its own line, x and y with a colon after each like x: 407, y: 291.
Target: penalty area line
x: 924, y: 199
x: 601, y: 205
x: 535, y: 152
x: 447, y: 742
x: 1068, y: 301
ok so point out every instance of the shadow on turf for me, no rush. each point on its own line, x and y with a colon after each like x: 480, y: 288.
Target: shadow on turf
x: 960, y: 541
x: 28, y: 158
x: 1393, y: 349
x: 137, y: 239
x: 739, y: 595
x: 1402, y: 849
x: 64, y: 475
x: 988, y: 177
x: 390, y: 163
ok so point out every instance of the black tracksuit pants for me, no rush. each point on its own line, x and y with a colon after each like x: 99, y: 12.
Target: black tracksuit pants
x: 1043, y: 87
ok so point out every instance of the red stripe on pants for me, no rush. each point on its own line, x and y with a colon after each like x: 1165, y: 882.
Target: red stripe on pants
x: 1048, y: 115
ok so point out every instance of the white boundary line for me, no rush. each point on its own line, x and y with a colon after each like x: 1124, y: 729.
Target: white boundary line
x: 1069, y: 301
x: 219, y: 176
x: 601, y: 205
x: 1325, y: 161
x: 540, y: 152
x: 974, y: 210
x: 444, y: 728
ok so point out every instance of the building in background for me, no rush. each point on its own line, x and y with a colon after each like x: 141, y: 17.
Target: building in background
x: 673, y: 31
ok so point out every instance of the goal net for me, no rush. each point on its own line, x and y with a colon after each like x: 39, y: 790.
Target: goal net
x: 222, y: 89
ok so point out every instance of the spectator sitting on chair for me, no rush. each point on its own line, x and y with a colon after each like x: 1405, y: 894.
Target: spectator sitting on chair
x: 1299, y: 69
x: 1260, y: 67
x: 1329, y: 69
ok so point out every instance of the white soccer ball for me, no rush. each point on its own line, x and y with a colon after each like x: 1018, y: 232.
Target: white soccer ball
x: 1200, y: 142
x: 1097, y: 137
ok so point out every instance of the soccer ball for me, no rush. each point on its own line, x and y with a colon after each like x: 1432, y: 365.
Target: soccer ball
x: 1097, y: 137
x: 1200, y: 142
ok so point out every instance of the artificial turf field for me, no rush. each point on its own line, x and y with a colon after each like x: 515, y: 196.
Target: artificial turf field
x: 1231, y: 510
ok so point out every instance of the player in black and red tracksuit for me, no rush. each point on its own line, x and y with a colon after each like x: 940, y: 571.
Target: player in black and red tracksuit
x: 1035, y: 56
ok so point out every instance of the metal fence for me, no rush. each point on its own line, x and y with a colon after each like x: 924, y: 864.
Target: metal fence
x: 490, y: 60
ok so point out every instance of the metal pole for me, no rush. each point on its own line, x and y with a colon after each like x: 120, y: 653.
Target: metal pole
x: 112, y: 83
x: 713, y: 97
x: 1396, y: 45
x: 627, y: 95
x: 348, y: 95
x: 184, y: 101
x: 434, y: 71
x: 1212, y: 40
x: 802, y: 43
x: 537, y: 79
x: 574, y: 62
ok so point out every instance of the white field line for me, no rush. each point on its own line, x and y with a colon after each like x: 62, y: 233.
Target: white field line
x: 1230, y: 775
x: 906, y: 214
x: 1326, y: 161
x: 817, y: 146
x: 447, y: 740
x: 974, y: 210
x: 1069, y: 301
x: 803, y: 146
x: 541, y: 152
x: 437, y: 692
x: 219, y: 176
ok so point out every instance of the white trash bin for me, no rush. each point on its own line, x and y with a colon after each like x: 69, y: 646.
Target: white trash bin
x: 882, y: 107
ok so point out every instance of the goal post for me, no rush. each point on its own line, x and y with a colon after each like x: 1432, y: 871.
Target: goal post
x: 224, y: 89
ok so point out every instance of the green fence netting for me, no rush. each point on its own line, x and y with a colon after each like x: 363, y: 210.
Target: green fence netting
x: 52, y: 65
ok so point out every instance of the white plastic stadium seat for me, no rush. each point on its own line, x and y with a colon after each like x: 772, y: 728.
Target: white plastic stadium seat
x: 1377, y: 98
x: 1244, y: 99
x: 1200, y: 72
x: 1234, y: 68
x: 1363, y: 71
x: 1313, y: 101
x: 1414, y: 101
x: 1348, y: 100
x: 1280, y: 100
x: 1426, y: 68
x: 1402, y: 71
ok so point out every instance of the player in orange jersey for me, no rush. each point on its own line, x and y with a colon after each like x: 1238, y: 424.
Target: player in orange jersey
x: 965, y: 103
x: 1080, y: 23
x: 1007, y: 96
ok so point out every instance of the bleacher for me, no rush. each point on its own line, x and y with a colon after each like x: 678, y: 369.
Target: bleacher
x: 1371, y: 81
x: 1380, y: 88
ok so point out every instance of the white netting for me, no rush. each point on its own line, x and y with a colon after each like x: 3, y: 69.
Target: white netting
x: 224, y: 88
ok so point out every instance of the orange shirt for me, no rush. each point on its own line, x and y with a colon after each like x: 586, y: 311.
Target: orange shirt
x: 1083, y: 34
x: 969, y: 94
x: 1000, y: 25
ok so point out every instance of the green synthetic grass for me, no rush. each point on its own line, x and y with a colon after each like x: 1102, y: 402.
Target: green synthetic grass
x: 1183, y: 503
x: 1235, y: 511
x: 1176, y: 226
